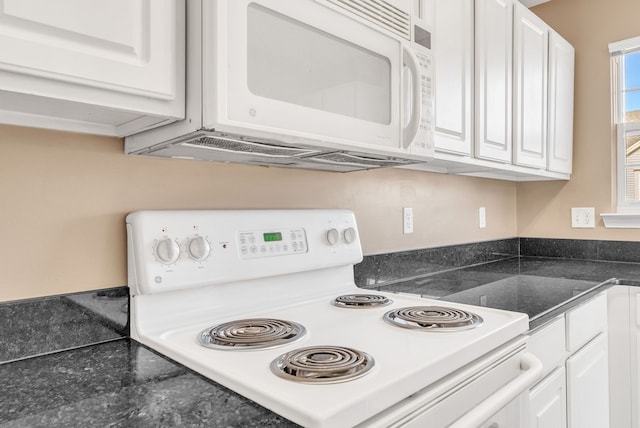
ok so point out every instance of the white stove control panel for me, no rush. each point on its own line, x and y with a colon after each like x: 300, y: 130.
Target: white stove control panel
x: 169, y: 250
x: 267, y: 243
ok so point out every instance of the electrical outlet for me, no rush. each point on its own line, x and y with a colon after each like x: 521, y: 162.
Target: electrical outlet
x: 583, y: 217
x: 482, y: 217
x: 407, y: 220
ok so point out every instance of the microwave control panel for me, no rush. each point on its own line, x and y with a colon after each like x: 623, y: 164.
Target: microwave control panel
x: 422, y: 50
x: 425, y: 134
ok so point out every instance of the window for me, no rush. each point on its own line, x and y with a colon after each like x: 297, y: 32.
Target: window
x: 625, y: 62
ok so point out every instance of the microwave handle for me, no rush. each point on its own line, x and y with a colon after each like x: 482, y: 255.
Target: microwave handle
x: 412, y: 128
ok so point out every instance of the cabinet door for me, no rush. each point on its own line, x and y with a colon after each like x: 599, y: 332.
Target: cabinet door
x: 622, y: 356
x: 548, y: 402
x: 117, y: 43
x: 561, y: 71
x: 453, y: 55
x: 62, y: 58
x: 494, y: 70
x: 634, y: 301
x: 531, y: 49
x: 588, y: 385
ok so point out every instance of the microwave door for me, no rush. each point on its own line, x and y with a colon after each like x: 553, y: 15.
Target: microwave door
x: 301, y: 70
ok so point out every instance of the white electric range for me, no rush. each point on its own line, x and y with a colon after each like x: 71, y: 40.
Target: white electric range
x: 264, y: 302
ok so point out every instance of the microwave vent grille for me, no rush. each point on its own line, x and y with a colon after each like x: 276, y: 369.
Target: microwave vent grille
x: 344, y: 158
x: 381, y: 13
x: 233, y: 145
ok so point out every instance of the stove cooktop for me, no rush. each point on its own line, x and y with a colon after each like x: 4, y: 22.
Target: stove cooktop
x: 183, y: 303
x: 405, y: 360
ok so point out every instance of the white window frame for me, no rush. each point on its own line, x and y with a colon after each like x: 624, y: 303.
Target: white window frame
x: 622, y: 131
x: 627, y: 212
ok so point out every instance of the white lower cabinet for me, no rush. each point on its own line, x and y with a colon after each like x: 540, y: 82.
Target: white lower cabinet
x: 635, y: 356
x: 574, y: 351
x: 602, y: 369
x: 624, y: 356
x: 588, y: 385
x: 548, y: 402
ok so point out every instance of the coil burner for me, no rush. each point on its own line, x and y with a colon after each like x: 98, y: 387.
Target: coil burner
x: 433, y: 318
x: 361, y: 301
x: 252, y: 333
x: 322, y: 364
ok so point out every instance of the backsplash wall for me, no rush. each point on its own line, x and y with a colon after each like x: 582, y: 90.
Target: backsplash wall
x: 65, y: 197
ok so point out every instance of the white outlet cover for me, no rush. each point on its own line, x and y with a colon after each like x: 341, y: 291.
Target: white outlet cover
x: 583, y: 217
x: 407, y: 220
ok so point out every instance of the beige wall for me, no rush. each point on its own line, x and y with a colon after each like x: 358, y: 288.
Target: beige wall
x: 544, y: 208
x: 65, y: 196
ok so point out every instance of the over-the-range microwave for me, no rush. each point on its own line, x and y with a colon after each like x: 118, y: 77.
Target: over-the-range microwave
x: 338, y: 85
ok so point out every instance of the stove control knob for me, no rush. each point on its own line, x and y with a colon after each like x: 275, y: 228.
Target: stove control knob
x: 167, y: 251
x: 332, y: 236
x: 349, y: 235
x: 199, y: 248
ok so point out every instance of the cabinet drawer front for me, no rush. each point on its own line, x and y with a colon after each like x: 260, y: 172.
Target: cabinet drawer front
x: 586, y: 321
x: 548, y: 344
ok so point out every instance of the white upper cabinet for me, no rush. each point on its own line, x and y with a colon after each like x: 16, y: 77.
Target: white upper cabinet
x: 453, y: 48
x: 561, y: 71
x: 107, y: 67
x: 531, y: 48
x: 494, y: 71
x: 503, y: 92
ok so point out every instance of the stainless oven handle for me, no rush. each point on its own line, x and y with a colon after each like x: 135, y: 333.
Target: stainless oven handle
x: 531, y: 373
x: 412, y: 128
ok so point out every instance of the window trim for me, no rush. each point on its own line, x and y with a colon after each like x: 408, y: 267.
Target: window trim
x: 627, y: 214
x: 624, y: 206
x: 624, y: 46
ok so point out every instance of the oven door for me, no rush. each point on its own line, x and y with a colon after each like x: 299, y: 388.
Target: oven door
x: 486, y: 393
x: 308, y: 71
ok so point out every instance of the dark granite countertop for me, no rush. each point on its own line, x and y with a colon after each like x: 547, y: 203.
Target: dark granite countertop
x: 540, y: 287
x: 119, y: 384
x: 122, y: 383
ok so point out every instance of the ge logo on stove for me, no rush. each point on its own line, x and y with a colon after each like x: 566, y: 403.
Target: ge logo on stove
x: 158, y: 280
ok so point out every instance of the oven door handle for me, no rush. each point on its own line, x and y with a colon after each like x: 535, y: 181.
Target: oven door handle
x: 531, y: 373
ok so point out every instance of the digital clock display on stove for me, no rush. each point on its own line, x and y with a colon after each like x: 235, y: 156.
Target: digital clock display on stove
x: 272, y: 236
